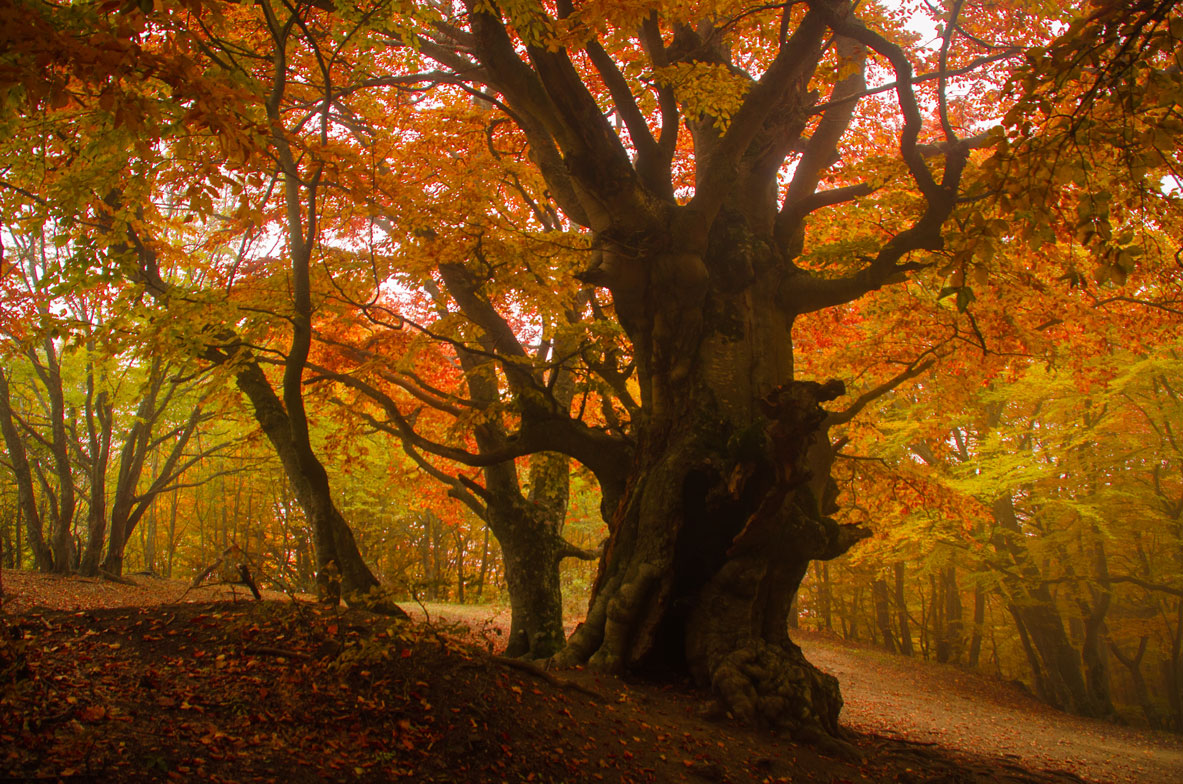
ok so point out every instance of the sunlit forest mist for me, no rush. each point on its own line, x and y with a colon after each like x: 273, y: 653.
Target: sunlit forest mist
x: 1089, y: 541
x: 357, y: 316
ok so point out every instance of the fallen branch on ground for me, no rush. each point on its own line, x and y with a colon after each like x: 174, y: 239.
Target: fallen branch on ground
x: 266, y: 650
x: 538, y: 672
x: 231, y: 568
x: 115, y: 578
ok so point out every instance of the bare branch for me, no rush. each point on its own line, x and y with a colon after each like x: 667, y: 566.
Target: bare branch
x: 914, y: 369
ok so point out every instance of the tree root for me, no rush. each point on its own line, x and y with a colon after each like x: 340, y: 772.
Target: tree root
x: 771, y: 686
x: 115, y: 578
x: 539, y: 672
x: 377, y: 602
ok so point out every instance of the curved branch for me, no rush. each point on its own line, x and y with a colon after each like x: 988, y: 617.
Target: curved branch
x: 909, y: 106
x: 842, y: 417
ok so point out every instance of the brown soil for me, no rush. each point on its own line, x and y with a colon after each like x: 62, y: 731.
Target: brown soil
x: 114, y: 683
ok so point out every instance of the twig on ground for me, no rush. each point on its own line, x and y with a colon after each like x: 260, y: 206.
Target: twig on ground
x: 267, y: 650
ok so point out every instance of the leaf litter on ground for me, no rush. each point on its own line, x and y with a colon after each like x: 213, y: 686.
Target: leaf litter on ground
x: 117, y: 683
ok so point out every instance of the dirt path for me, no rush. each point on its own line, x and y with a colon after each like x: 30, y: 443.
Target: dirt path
x: 888, y: 695
x: 939, y: 705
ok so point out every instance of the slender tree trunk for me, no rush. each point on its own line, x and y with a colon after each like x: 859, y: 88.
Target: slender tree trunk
x: 224, y: 524
x: 23, y: 476
x: 940, y: 635
x: 201, y: 515
x: 950, y: 640
x: 1173, y: 671
x: 8, y: 527
x: 1041, y: 687
x: 461, y: 546
x: 879, y: 597
x: 924, y: 626
x: 17, y: 534
x: 438, y: 551
x: 172, y: 534
x: 1094, y: 646
x: 341, y: 570
x: 131, y: 463
x: 850, y: 615
x: 483, y: 573
x: 61, y: 534
x: 6, y: 538
x: 340, y: 567
x: 424, y: 548
x: 1060, y: 681
x: 150, y: 541
x: 99, y: 414
x: 901, y: 605
x: 1063, y: 681
x: 975, y: 643
x: 1141, y: 690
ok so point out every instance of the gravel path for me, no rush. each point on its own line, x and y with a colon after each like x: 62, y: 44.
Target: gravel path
x: 941, y: 705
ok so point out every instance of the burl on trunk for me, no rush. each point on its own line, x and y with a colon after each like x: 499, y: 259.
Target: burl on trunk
x: 728, y: 503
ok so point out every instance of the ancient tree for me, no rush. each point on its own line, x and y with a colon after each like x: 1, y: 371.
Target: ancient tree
x: 696, y: 149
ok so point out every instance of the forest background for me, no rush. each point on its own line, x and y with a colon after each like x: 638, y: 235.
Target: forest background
x: 273, y: 273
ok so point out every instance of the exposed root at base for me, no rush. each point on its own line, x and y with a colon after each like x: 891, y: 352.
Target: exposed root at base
x: 776, y: 687
x: 378, y: 603
x: 538, y: 671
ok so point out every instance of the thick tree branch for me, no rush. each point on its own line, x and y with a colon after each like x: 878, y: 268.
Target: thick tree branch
x: 789, y: 72
x: 820, y: 150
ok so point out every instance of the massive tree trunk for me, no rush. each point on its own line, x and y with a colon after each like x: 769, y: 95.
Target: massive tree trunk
x: 729, y: 495
x: 729, y: 501
x: 706, y: 555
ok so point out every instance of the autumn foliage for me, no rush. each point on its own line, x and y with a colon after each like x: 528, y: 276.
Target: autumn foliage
x: 425, y: 300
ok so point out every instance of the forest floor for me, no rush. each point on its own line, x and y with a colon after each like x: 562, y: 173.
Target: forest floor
x: 108, y: 682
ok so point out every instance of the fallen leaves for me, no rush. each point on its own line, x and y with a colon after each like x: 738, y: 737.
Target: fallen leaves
x: 299, y: 693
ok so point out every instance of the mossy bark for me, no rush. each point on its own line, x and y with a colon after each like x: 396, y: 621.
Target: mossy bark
x: 730, y: 500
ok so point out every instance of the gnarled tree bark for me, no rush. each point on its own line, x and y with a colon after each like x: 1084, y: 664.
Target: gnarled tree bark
x: 728, y: 497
